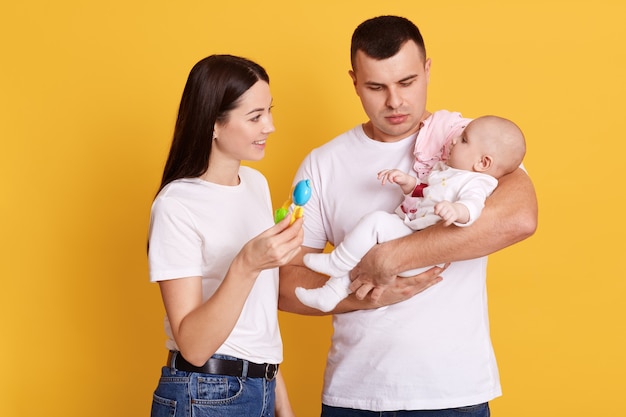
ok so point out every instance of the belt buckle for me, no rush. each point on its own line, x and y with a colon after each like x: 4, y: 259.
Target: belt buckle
x: 270, y: 368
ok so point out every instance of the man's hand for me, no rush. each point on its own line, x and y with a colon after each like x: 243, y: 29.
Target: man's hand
x: 369, y: 277
x: 369, y: 273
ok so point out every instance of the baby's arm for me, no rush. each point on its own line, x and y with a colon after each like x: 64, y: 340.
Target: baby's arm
x: 406, y: 182
x: 469, y: 201
x: 452, y: 212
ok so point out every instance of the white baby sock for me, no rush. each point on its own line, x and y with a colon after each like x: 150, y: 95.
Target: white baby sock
x: 333, y: 264
x: 326, y: 297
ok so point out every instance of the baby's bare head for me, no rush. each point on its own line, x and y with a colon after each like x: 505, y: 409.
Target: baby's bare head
x: 501, y: 139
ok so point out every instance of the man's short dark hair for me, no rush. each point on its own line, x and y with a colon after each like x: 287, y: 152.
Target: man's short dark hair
x: 382, y: 37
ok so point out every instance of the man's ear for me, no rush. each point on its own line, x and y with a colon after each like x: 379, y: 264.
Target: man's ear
x: 353, y: 76
x: 427, y: 70
x: 486, y: 161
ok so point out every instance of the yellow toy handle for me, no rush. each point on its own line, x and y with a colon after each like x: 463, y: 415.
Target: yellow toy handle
x: 299, y: 196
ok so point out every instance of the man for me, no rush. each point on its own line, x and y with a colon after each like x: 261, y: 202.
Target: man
x: 429, y: 347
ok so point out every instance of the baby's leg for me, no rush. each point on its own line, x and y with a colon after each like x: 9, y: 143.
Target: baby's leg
x: 373, y: 228
x: 335, y: 263
x: 326, y: 297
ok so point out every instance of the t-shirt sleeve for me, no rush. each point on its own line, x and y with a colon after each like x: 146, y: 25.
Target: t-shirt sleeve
x: 314, y: 231
x: 174, y: 249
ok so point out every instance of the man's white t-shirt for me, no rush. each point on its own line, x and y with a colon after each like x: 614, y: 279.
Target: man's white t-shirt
x: 432, y: 351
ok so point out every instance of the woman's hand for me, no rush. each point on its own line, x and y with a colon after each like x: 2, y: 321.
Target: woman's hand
x: 274, y: 247
x: 282, y: 404
x: 190, y: 318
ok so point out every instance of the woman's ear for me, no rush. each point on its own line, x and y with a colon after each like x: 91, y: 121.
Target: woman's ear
x: 486, y: 161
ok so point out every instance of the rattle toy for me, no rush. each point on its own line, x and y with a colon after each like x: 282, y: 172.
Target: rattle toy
x: 299, y: 197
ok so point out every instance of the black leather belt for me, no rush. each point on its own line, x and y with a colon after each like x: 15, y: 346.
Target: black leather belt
x: 234, y: 367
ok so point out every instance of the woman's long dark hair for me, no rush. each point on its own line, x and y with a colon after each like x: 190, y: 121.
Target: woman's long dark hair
x: 214, y: 87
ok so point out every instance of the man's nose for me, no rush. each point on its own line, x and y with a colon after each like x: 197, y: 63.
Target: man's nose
x: 394, y: 99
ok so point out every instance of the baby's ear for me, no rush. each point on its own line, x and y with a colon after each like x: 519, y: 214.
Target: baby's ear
x: 486, y: 161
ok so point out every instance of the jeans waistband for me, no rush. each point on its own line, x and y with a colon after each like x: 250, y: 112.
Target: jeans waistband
x: 231, y: 367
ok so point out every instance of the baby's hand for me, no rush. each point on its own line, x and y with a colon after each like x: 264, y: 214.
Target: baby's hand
x: 393, y: 176
x: 447, y: 211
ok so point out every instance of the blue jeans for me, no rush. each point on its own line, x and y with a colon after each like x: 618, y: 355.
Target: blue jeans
x: 479, y: 410
x: 186, y: 394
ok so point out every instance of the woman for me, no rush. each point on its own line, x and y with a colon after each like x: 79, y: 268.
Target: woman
x: 215, y: 252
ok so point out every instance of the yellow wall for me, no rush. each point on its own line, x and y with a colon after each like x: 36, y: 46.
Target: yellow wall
x: 88, y: 97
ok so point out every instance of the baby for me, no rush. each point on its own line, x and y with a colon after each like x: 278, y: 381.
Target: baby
x: 454, y: 191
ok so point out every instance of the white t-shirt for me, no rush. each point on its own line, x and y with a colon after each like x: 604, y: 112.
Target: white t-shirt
x: 196, y: 229
x: 432, y: 351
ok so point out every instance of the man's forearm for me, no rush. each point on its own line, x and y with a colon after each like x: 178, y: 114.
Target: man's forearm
x: 297, y: 275
x: 292, y: 276
x: 509, y: 216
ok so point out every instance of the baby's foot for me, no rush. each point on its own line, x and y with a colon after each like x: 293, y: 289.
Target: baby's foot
x: 327, y: 297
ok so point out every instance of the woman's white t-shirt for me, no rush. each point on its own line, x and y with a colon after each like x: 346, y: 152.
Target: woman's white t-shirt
x: 196, y: 229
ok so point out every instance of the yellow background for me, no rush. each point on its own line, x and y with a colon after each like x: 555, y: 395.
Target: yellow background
x: 88, y: 98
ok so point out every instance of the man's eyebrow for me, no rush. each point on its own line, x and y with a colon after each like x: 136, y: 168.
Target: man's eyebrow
x: 403, y: 80
x: 374, y: 83
x: 408, y: 78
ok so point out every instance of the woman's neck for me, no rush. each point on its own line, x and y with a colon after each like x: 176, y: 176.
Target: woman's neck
x: 222, y: 172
